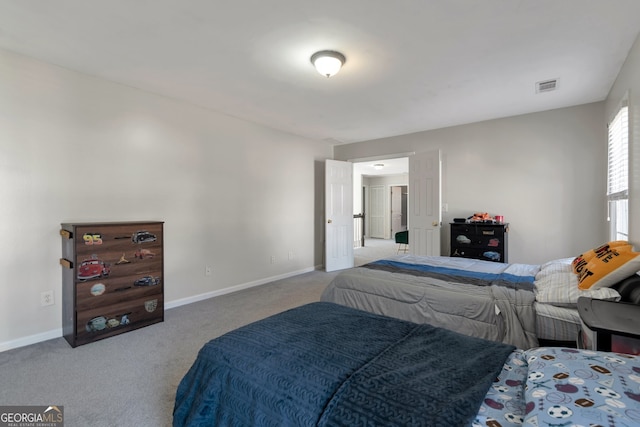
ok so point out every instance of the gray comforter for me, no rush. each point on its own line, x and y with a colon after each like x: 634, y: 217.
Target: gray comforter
x: 493, y: 310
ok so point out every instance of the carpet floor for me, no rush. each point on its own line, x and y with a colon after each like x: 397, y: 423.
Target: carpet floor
x: 131, y: 379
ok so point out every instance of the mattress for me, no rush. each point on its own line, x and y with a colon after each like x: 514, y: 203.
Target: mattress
x: 513, y: 303
x: 483, y: 299
x: 556, y: 323
x: 557, y: 293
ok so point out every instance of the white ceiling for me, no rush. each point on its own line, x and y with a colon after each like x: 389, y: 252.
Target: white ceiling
x: 396, y: 166
x: 411, y: 65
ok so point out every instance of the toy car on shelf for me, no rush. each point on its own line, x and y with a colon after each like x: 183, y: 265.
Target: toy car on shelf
x: 143, y: 236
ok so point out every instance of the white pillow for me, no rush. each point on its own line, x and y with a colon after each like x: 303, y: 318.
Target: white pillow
x: 557, y: 284
x: 561, y: 265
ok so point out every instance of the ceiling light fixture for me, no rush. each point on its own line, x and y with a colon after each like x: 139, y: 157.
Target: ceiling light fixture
x: 328, y: 62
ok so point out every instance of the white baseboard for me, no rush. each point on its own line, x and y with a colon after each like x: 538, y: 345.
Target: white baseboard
x: 184, y: 301
x: 31, y: 339
x: 57, y: 333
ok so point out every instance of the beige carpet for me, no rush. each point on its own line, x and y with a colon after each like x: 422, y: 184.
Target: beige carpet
x: 374, y: 249
x: 131, y: 379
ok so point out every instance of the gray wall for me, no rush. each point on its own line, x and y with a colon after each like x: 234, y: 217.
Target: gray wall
x: 544, y: 172
x: 628, y: 82
x: 76, y: 148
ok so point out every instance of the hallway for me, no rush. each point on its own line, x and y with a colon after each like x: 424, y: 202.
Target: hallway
x: 374, y: 249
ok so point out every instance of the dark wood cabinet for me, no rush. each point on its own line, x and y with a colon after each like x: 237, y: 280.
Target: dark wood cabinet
x: 485, y: 241
x: 112, y: 278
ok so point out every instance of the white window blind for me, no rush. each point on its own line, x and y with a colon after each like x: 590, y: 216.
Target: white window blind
x: 618, y: 174
x: 618, y: 179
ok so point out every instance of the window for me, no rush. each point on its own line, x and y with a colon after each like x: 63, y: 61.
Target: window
x: 618, y: 175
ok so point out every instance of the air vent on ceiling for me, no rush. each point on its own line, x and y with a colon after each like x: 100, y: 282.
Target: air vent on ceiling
x: 546, y: 85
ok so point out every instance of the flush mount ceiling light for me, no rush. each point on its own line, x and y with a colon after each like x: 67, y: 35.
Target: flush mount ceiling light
x: 328, y: 62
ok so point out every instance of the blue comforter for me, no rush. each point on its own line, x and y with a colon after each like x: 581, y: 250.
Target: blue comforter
x: 500, y: 277
x: 330, y: 365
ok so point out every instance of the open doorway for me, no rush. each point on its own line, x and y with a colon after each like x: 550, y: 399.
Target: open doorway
x: 399, y: 195
x: 424, y: 219
x: 377, y: 185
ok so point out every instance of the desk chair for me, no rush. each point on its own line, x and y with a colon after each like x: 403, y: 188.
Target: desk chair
x: 402, y: 239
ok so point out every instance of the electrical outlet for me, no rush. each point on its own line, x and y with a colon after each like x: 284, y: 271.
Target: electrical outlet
x: 208, y: 270
x: 291, y: 256
x: 46, y: 298
x: 273, y: 259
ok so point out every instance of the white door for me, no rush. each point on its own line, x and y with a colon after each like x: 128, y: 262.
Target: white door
x: 425, y: 218
x: 396, y: 210
x: 338, y: 215
x: 376, y: 211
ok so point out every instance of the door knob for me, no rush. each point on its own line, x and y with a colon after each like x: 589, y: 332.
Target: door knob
x: 328, y: 221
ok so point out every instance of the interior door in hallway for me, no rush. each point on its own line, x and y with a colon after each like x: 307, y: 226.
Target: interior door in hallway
x: 398, y: 209
x: 376, y: 211
x: 338, y: 215
x: 425, y: 213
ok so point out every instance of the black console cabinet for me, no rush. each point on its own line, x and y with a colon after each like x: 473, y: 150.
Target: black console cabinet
x: 609, y: 326
x: 485, y: 241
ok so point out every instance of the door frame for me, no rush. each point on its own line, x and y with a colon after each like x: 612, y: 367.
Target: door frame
x: 403, y: 208
x: 437, y: 204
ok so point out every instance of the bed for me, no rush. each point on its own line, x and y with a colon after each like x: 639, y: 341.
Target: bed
x: 329, y: 365
x: 517, y: 304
